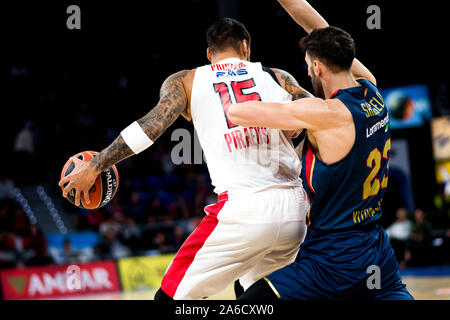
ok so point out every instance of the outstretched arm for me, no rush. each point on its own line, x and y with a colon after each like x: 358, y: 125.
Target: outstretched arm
x: 173, y: 102
x: 304, y: 14
x: 309, y: 19
x: 309, y: 113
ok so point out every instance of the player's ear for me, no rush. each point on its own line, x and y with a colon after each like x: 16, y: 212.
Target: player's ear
x: 245, y: 50
x: 208, y: 54
x: 317, y: 67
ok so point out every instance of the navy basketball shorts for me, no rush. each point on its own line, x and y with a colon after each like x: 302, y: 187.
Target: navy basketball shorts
x: 356, y: 264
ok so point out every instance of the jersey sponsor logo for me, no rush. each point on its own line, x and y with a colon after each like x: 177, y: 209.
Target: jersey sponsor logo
x: 362, y: 215
x: 227, y: 66
x: 231, y: 73
x: 229, y: 69
x: 383, y: 123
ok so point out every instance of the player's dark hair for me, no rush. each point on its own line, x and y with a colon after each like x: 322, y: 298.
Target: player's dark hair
x: 226, y: 33
x: 331, y: 45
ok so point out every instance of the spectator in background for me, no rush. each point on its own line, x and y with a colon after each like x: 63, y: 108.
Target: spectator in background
x: 193, y: 223
x: 25, y: 141
x: 17, y: 244
x: 157, y: 212
x: 419, y: 242
x: 7, y: 250
x: 125, y: 191
x: 21, y: 224
x: 37, y: 243
x: 116, y: 211
x: 399, y: 233
x: 161, y: 242
x: 131, y: 235
x: 110, y: 245
x: 179, y: 236
x: 109, y: 225
x: 179, y: 209
x: 137, y: 208
x: 441, y: 216
x: 69, y: 254
x: 6, y: 187
x: 94, y: 219
x: 6, y: 217
x: 24, y: 150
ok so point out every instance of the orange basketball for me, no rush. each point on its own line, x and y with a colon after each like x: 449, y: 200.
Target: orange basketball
x: 104, y: 188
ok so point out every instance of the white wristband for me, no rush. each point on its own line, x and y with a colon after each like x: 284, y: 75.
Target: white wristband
x: 136, y: 138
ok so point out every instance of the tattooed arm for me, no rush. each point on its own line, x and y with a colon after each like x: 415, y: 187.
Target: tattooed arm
x: 173, y: 102
x: 288, y: 82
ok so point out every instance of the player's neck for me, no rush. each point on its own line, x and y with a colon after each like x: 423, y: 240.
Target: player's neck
x: 225, y: 55
x: 342, y: 80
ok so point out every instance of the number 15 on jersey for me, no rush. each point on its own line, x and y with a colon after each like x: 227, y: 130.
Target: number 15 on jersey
x: 237, y: 87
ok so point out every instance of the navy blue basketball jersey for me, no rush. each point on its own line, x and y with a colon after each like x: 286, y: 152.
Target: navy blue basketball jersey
x: 349, y: 192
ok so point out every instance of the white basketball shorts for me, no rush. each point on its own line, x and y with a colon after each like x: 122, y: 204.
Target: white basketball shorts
x: 244, y: 238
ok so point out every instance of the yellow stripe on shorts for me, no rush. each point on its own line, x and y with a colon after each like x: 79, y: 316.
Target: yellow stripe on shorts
x: 272, y: 287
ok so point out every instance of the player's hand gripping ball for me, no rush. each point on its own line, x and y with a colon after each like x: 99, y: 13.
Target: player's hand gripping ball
x: 79, y: 175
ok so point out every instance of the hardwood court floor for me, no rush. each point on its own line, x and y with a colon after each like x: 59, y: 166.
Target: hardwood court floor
x: 422, y: 288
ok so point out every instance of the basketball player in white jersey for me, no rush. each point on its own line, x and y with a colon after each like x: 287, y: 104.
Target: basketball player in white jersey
x: 258, y: 223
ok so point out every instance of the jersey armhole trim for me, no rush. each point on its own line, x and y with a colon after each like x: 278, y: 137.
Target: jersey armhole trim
x: 272, y: 74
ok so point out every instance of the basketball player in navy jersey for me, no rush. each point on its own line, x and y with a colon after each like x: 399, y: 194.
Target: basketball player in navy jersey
x: 345, y: 255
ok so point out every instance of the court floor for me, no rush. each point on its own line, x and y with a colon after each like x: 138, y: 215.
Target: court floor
x: 421, y: 287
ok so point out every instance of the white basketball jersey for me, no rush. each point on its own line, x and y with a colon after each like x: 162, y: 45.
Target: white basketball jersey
x: 241, y: 159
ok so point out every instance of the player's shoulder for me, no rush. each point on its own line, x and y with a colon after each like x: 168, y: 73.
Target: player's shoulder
x: 290, y: 84
x: 371, y: 83
x: 338, y: 109
x: 282, y: 75
x: 183, y: 76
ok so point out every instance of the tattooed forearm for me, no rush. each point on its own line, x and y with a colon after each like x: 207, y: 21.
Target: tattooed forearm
x: 291, y: 85
x: 173, y: 102
x: 115, y: 152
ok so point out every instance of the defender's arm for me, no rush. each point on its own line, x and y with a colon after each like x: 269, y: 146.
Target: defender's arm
x: 309, y: 19
x: 304, y: 14
x: 309, y: 113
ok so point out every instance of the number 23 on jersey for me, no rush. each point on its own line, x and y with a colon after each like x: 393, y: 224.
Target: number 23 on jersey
x: 372, y: 184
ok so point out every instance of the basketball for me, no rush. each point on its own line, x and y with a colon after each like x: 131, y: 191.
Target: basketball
x: 104, y: 188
